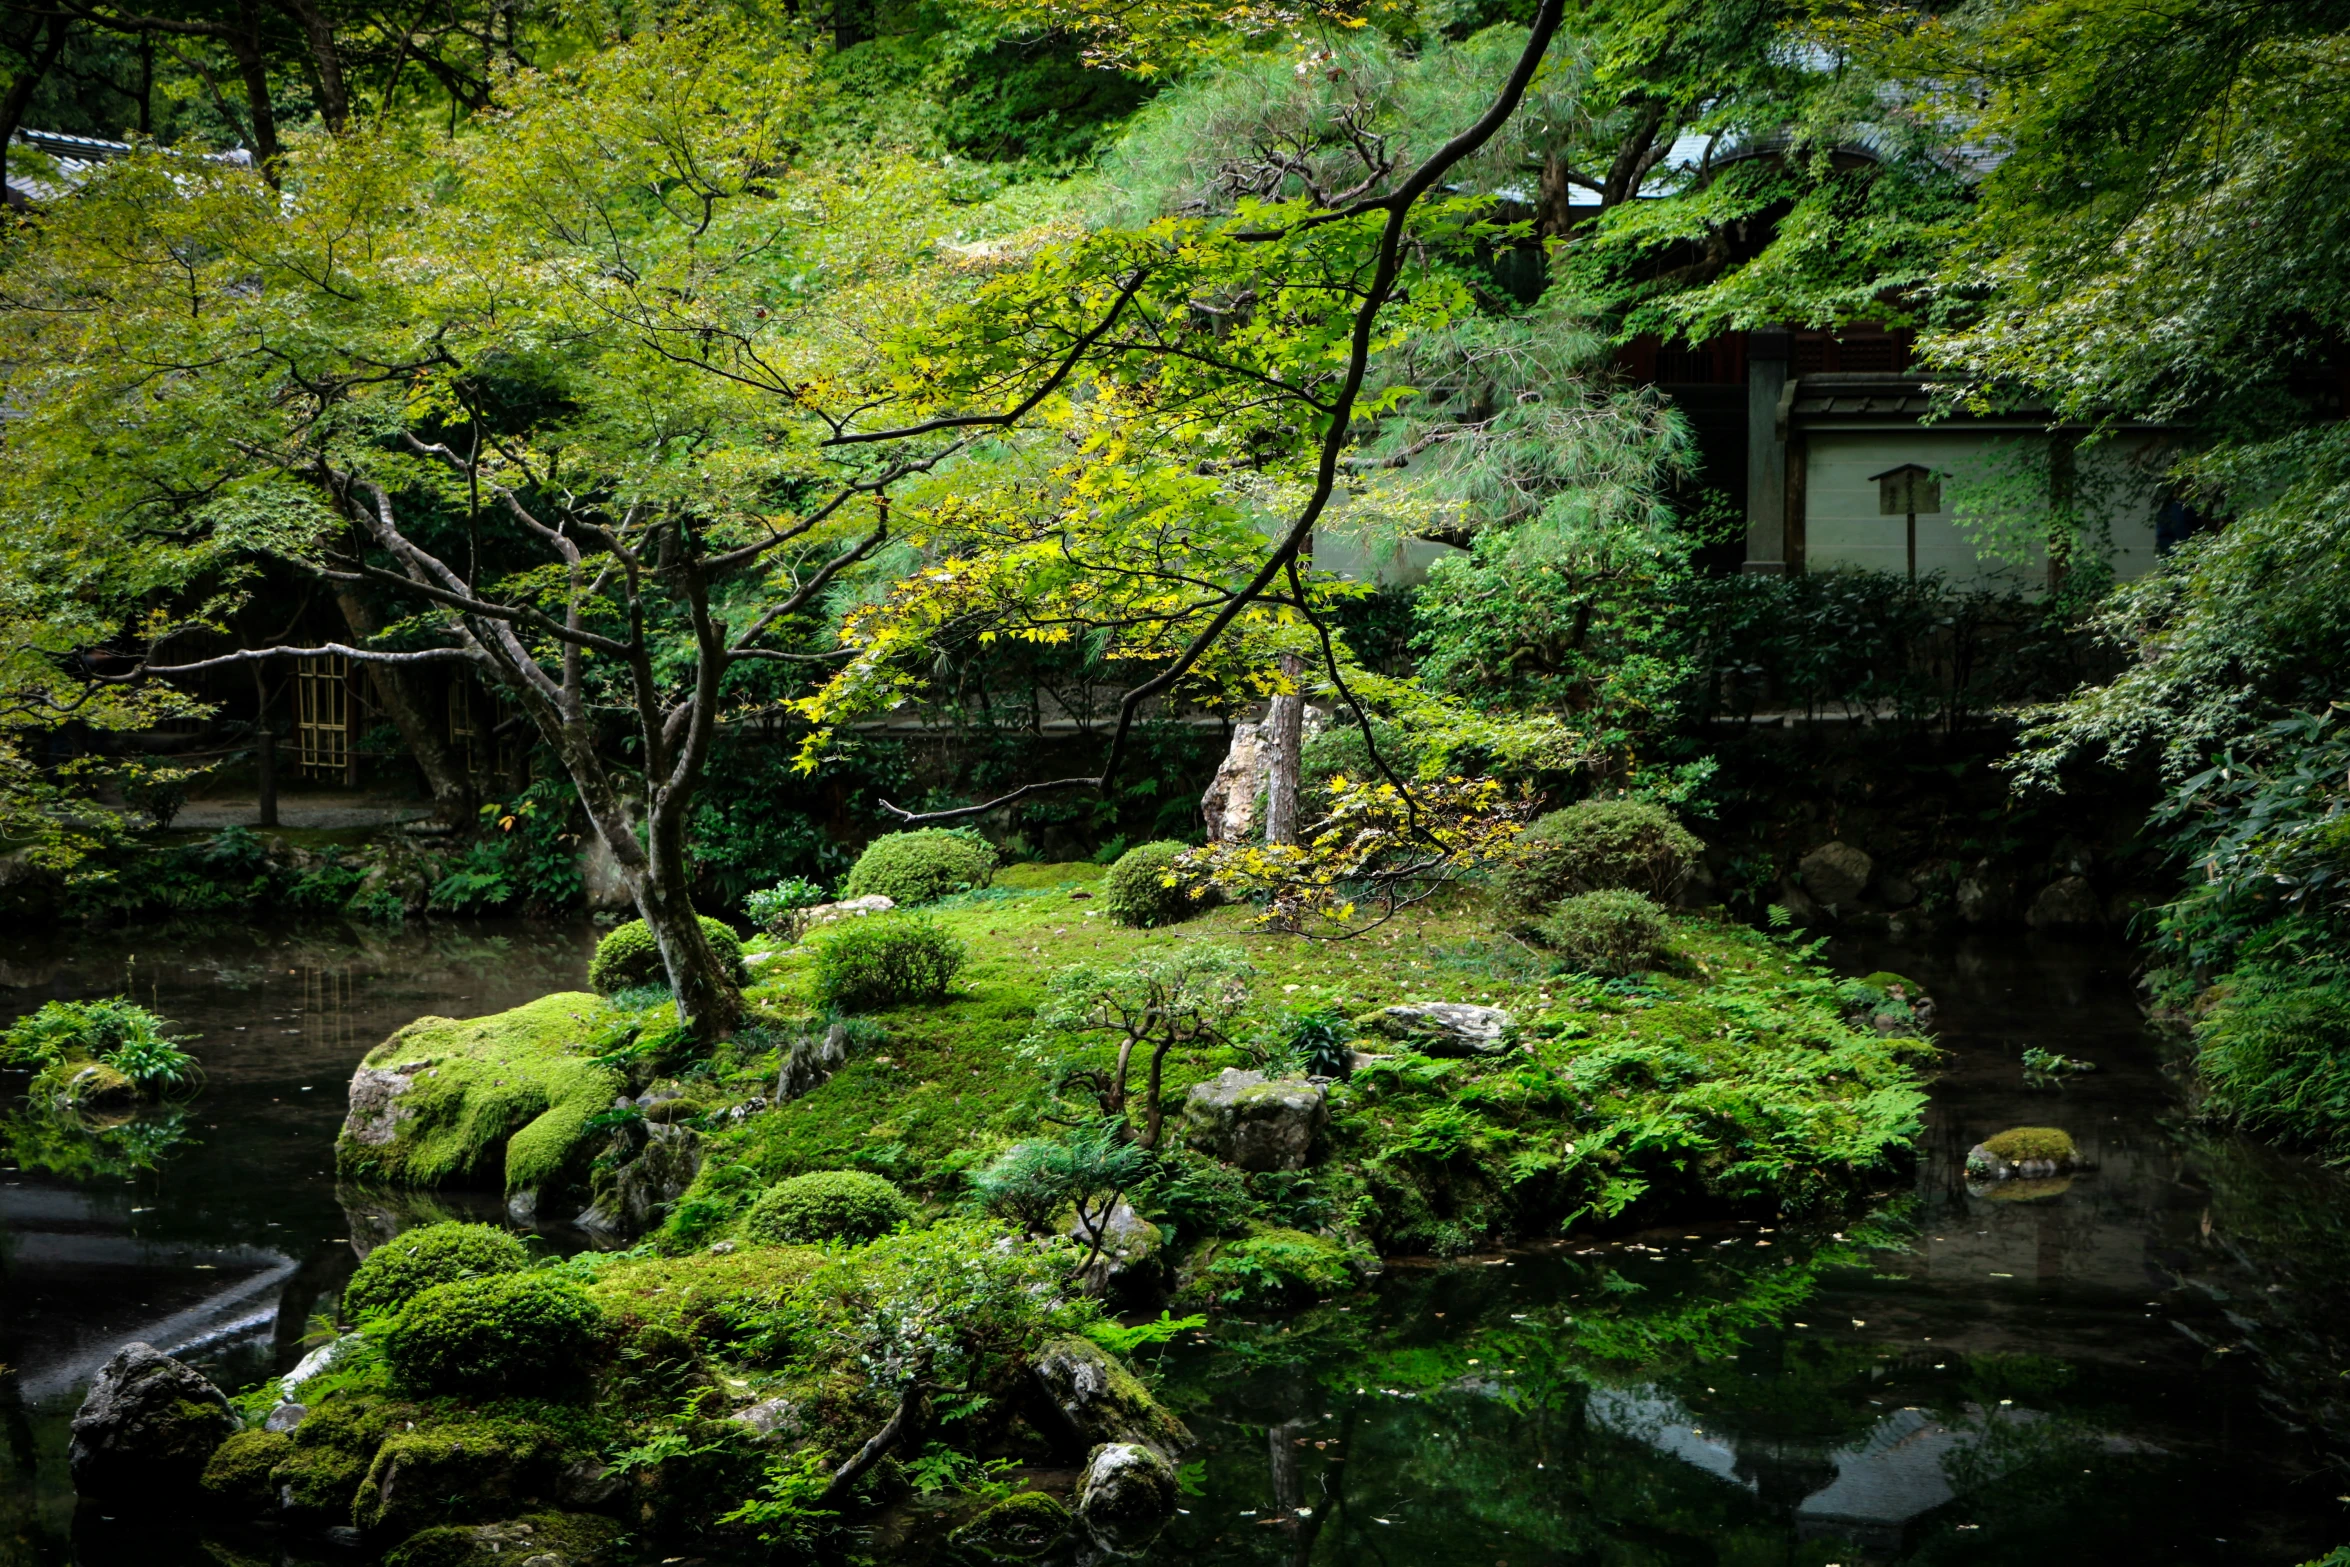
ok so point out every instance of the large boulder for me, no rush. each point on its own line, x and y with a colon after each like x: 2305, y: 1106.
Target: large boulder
x: 1245, y: 1120
x: 2068, y: 901
x: 147, y: 1429
x: 1441, y: 1028
x: 538, y: 1540
x: 1096, y: 1400
x: 634, y: 1195
x: 1127, y: 1490
x: 1128, y: 1258
x: 1837, y: 874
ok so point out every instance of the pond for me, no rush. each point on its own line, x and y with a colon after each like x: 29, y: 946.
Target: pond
x: 2139, y: 1366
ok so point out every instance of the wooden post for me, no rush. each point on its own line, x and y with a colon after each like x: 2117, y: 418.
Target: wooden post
x: 264, y: 751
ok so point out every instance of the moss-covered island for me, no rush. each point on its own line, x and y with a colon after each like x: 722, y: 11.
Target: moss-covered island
x: 775, y: 1356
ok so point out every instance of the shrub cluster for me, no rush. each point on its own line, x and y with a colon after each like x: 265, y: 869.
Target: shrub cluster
x: 1138, y: 891
x: 1608, y: 933
x: 922, y: 866
x: 116, y: 1032
x: 886, y: 960
x: 629, y: 957
x: 415, y: 1260
x: 509, y: 1333
x: 1600, y: 846
x: 827, y: 1205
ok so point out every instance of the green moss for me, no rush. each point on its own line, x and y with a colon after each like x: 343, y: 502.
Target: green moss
x: 1038, y: 875
x: 415, y: 1260
x: 629, y: 957
x: 1022, y: 1525
x: 569, y: 1539
x: 460, y: 1470
x: 827, y: 1205
x: 509, y: 1093
x: 921, y: 866
x: 703, y: 1298
x: 2043, y: 1144
x: 508, y: 1333
x: 319, y: 1483
x: 236, y: 1477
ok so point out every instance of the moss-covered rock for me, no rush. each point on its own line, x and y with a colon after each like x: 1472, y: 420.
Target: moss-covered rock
x: 236, y: 1480
x: 827, y: 1205
x: 506, y: 1095
x: 2029, y: 1151
x: 1094, y: 1399
x: 318, y: 1483
x: 703, y: 1298
x: 462, y: 1471
x: 535, y: 1540
x: 1020, y: 1526
x: 148, y: 1428
x: 415, y: 1260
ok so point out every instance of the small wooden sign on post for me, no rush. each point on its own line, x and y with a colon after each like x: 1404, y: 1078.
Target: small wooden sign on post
x: 1904, y: 492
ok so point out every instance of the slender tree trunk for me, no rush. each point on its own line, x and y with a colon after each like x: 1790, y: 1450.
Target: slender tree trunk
x: 706, y: 993
x: 1116, y: 1104
x: 1152, y: 1112
x: 244, y: 42
x: 402, y: 694
x: 334, y: 97
x: 264, y: 750
x: 1284, y: 732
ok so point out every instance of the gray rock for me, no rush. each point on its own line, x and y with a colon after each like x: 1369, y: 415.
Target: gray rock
x: 847, y: 909
x: 1254, y: 1124
x: 812, y: 1061
x: 1442, y: 1028
x: 1800, y: 906
x: 1836, y: 874
x: 778, y: 1418
x: 147, y: 1428
x: 589, y: 1484
x: 376, y: 1110
x: 2067, y: 902
x: 1127, y: 1490
x: 522, y: 1207
x: 1129, y: 1250
x: 1980, y: 900
x: 643, y: 1189
x: 1896, y: 891
x: 1100, y: 1401
x: 285, y: 1417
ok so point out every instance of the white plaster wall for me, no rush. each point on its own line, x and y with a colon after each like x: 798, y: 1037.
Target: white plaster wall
x: 1842, y: 526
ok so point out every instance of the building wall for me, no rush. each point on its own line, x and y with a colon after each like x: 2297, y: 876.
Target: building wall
x: 1993, y: 487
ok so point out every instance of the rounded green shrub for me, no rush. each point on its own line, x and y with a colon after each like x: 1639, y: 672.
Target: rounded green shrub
x: 827, y: 1205
x: 508, y: 1333
x: 885, y: 960
x: 922, y: 866
x: 1138, y: 890
x: 629, y: 957
x: 1612, y: 933
x: 1601, y: 846
x: 415, y: 1260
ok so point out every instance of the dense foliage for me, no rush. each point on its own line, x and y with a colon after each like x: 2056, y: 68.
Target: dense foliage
x: 629, y: 957
x: 501, y: 1333
x: 886, y: 960
x: 826, y: 1205
x: 922, y: 866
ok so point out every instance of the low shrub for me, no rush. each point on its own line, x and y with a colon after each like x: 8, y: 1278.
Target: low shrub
x: 1276, y: 1266
x: 886, y: 961
x: 827, y: 1205
x: 922, y: 866
x: 1609, y: 933
x: 1601, y: 846
x: 510, y: 1333
x: 415, y: 1260
x: 629, y: 957
x: 1139, y: 894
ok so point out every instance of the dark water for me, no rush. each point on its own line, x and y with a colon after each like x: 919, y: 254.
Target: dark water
x: 2143, y: 1367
